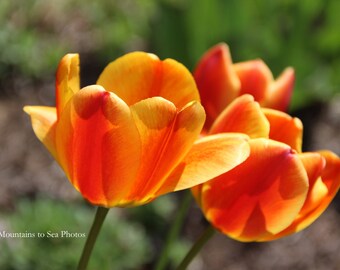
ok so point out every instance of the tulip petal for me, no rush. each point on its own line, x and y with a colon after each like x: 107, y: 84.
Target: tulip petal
x: 284, y: 128
x: 43, y: 123
x: 166, y: 135
x: 209, y: 157
x: 324, y: 184
x: 242, y: 115
x: 314, y: 164
x: 137, y: 76
x: 261, y: 196
x: 216, y: 81
x: 331, y: 179
x: 98, y: 146
x: 67, y: 80
x: 280, y: 91
x: 255, y: 77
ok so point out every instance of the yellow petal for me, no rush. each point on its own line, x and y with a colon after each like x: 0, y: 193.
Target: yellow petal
x: 137, y: 76
x: 67, y: 80
x: 98, y: 146
x: 284, y: 128
x: 166, y: 135
x: 242, y: 115
x: 43, y: 123
x: 209, y: 157
x: 261, y: 196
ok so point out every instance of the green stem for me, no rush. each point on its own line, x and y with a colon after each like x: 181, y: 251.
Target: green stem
x: 206, y: 235
x: 92, y: 237
x: 174, y: 231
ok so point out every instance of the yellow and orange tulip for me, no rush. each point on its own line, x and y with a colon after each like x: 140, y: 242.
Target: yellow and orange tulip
x: 278, y: 190
x: 134, y: 135
x: 220, y: 82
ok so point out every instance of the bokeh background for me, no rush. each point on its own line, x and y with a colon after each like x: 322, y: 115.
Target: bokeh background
x: 34, y: 193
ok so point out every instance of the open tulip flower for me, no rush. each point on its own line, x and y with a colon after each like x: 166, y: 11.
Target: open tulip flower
x: 278, y: 190
x: 134, y: 135
x: 220, y: 82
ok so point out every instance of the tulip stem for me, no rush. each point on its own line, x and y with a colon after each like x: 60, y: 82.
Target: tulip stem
x: 206, y: 235
x: 174, y: 231
x: 92, y: 237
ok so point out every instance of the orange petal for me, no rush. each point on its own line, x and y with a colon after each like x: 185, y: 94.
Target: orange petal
x: 167, y: 135
x: 137, y: 76
x: 284, y: 128
x: 242, y: 115
x: 255, y: 77
x: 324, y: 184
x: 43, y: 123
x: 314, y: 164
x: 261, y: 196
x: 98, y: 146
x: 67, y: 80
x: 280, y: 91
x: 209, y: 157
x: 216, y: 81
x: 331, y: 179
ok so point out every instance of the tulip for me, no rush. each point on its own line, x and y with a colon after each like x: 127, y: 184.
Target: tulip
x: 278, y: 190
x: 134, y: 135
x: 220, y: 82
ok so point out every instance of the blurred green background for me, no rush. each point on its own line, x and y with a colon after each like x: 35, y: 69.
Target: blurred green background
x: 35, y: 34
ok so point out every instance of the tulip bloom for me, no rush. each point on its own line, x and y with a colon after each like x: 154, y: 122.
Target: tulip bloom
x: 278, y: 190
x: 131, y: 137
x: 220, y: 82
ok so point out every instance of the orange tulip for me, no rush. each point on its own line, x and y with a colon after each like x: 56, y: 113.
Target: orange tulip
x: 220, y: 82
x: 132, y: 136
x: 278, y: 190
